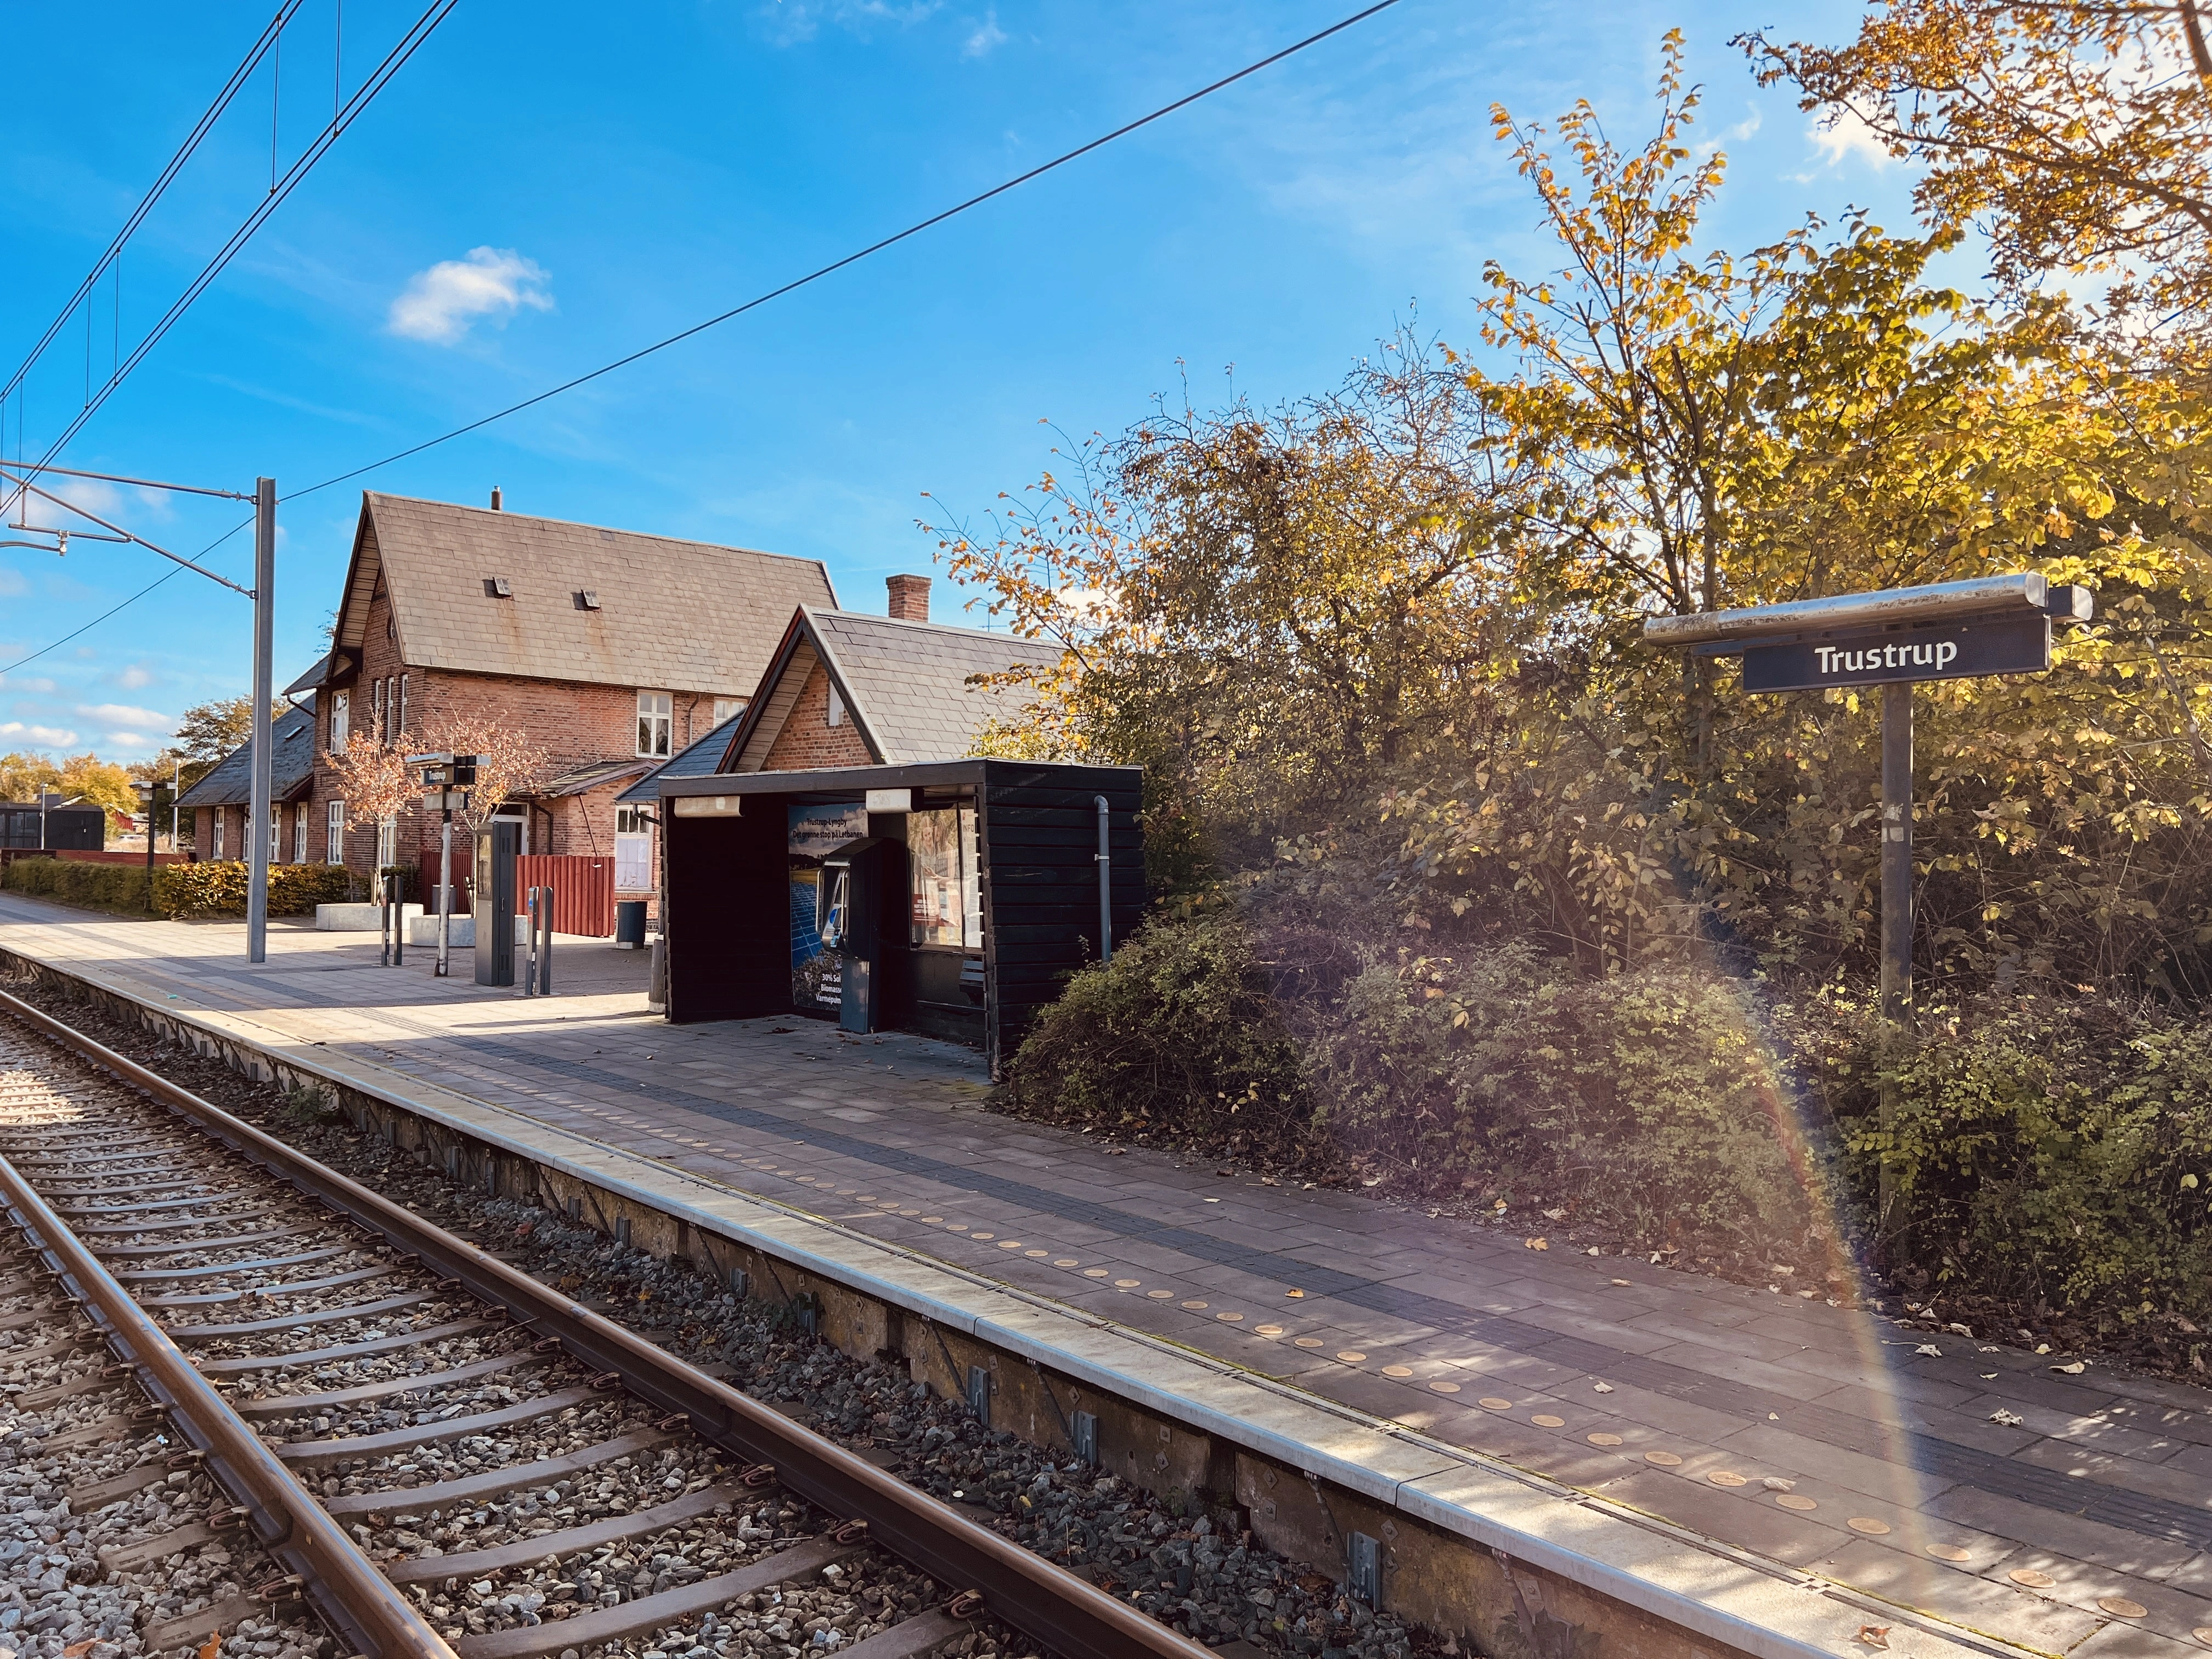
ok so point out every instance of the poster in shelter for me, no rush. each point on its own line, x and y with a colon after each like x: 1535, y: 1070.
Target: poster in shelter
x: 817, y: 830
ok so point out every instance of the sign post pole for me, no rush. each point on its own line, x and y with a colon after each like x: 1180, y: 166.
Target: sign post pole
x: 1890, y: 640
x: 1896, y: 984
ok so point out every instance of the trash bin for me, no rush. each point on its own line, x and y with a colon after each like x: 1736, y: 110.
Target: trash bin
x: 630, y: 925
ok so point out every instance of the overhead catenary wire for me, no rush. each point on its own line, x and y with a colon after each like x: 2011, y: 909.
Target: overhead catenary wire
x: 193, y: 139
x: 759, y: 300
x: 836, y: 265
x: 280, y: 189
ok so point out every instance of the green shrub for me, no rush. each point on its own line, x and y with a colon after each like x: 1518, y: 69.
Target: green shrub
x: 2051, y: 1154
x: 1650, y: 1102
x: 117, y: 887
x: 217, y: 888
x: 1177, y: 1039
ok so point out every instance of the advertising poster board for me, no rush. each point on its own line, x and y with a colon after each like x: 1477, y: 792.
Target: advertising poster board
x: 816, y: 831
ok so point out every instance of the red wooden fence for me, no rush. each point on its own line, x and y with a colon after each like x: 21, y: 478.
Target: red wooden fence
x: 583, y: 890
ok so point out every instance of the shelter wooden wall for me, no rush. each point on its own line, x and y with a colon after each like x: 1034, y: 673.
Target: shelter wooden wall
x: 1040, y: 842
x: 729, y: 921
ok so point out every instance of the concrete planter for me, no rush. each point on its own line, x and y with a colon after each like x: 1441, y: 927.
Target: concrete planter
x: 422, y: 931
x: 355, y: 918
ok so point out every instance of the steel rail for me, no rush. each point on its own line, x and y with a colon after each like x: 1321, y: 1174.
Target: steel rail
x: 1069, y: 1615
x: 355, y: 1598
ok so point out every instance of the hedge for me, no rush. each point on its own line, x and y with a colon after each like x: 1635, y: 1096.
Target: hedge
x: 179, y: 890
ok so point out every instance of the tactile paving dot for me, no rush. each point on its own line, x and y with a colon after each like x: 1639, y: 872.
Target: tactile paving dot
x: 1492, y: 1402
x: 1949, y: 1553
x: 1127, y: 1284
x: 1229, y: 1318
x: 1445, y: 1387
x: 933, y: 1219
x: 1397, y: 1370
x: 1095, y: 1273
x: 1267, y: 1330
x: 1602, y: 1439
x: 2203, y: 1633
x: 1066, y: 1261
x: 910, y: 1212
x: 1664, y: 1459
x: 1305, y: 1341
x: 1160, y: 1296
x: 2120, y: 1607
x: 2031, y: 1578
x: 1726, y: 1477
x: 1350, y: 1356
x: 982, y: 1234
x: 1868, y: 1525
x: 1195, y: 1307
x: 1037, y: 1254
x: 1004, y: 1244
x: 1544, y: 1420
x: 953, y: 1226
x: 1790, y: 1500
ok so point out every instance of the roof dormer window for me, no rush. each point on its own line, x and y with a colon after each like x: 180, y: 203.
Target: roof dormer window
x: 498, y: 587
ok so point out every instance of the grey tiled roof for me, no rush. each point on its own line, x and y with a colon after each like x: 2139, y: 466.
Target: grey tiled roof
x: 673, y: 615
x: 907, y: 682
x: 582, y: 780
x: 695, y: 760
x: 231, y: 783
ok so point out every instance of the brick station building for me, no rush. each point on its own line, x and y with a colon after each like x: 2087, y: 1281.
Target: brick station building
x: 611, y: 650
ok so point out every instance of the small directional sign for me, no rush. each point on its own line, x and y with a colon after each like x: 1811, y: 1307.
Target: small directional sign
x: 1948, y: 650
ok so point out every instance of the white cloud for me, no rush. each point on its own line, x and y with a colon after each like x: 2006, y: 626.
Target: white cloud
x: 134, y: 676
x: 27, y: 686
x: 122, y: 714
x: 439, y: 305
x: 988, y: 35
x: 53, y: 737
x: 1846, y: 134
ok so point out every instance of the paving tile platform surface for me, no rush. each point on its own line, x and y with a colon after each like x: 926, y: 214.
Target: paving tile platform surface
x: 1810, y: 1434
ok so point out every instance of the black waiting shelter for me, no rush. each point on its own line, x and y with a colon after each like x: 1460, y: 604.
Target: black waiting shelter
x: 952, y: 897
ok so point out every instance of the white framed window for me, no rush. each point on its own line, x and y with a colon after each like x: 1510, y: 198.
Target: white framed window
x: 835, y: 715
x: 633, y: 850
x: 300, y: 833
x: 276, y: 833
x: 334, y: 834
x: 218, y: 815
x: 727, y: 708
x: 399, y: 709
x: 656, y: 719
x: 341, y: 719
x: 387, y: 842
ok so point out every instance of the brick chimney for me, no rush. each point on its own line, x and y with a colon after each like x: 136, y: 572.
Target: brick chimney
x: 909, y: 598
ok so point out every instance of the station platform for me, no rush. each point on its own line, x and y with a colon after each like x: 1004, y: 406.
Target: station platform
x: 2008, y: 1503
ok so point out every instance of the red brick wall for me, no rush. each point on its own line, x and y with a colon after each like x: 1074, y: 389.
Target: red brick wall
x: 575, y: 724
x: 808, y: 740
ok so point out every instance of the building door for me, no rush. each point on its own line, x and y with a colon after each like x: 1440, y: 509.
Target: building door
x: 633, y: 850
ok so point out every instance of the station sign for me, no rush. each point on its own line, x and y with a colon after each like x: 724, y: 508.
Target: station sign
x: 1961, y: 648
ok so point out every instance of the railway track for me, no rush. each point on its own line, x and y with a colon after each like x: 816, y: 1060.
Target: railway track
x: 297, y: 1394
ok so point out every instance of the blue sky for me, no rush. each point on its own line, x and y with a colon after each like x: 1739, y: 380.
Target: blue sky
x: 545, y: 187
